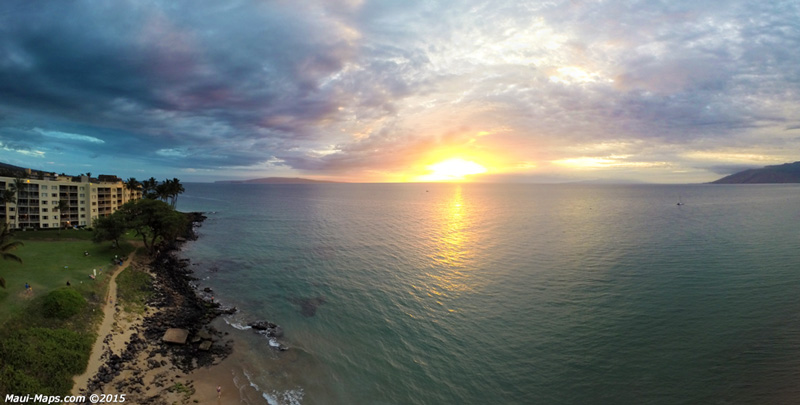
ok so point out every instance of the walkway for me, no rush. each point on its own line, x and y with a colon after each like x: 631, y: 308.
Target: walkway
x: 109, y: 309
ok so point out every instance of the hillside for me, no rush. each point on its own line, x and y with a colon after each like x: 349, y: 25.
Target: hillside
x: 274, y: 180
x: 785, y: 173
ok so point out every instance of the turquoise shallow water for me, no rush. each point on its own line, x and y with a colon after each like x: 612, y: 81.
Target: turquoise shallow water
x: 513, y: 294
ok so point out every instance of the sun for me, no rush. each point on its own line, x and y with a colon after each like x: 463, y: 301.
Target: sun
x: 451, y: 170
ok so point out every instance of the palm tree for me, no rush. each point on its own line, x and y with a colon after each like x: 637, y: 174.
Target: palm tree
x: 6, y: 247
x: 132, y: 185
x: 63, y: 205
x: 8, y: 196
x: 149, y: 188
x: 18, y: 187
x: 175, y: 188
x: 162, y: 190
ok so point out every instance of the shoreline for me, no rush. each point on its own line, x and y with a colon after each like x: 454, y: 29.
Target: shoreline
x: 130, y: 357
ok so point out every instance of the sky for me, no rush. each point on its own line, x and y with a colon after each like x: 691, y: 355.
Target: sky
x: 409, y: 90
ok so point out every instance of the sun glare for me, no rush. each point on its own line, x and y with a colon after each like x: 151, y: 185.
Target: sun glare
x: 451, y: 170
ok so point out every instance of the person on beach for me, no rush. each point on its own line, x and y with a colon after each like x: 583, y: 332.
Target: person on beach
x: 219, y: 391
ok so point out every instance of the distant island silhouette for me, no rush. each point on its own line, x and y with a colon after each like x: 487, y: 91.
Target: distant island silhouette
x: 785, y: 173
x: 275, y: 180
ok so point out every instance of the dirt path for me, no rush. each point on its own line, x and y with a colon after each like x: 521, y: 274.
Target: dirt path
x: 109, y: 310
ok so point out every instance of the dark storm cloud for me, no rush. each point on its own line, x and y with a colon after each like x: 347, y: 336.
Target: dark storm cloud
x: 169, y: 75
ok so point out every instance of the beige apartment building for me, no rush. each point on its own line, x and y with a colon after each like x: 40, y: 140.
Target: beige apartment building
x: 86, y: 198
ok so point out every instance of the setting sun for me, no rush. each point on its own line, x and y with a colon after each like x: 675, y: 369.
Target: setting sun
x: 451, y: 170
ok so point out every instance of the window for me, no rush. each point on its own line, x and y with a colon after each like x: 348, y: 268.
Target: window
x: 54, y: 217
x: 94, y: 209
x: 83, y: 208
x: 11, y: 217
x: 44, y: 187
x: 11, y: 209
x: 44, y: 217
x: 44, y: 209
x: 44, y: 202
x: 45, y: 225
x: 83, y: 215
x: 83, y: 195
x: 54, y: 194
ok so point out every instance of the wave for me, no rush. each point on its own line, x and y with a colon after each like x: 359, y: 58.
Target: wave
x: 288, y: 397
x: 236, y: 325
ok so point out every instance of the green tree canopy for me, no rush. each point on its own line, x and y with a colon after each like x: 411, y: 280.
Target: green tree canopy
x: 110, y: 228
x: 153, y: 220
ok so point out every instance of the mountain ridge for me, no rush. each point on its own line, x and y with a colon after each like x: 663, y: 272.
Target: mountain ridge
x: 275, y: 180
x: 777, y: 174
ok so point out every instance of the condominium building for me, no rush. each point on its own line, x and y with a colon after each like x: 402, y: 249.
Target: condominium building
x: 85, y: 198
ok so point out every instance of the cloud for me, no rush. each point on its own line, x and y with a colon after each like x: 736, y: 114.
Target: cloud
x: 377, y: 85
x: 21, y: 151
x: 68, y: 136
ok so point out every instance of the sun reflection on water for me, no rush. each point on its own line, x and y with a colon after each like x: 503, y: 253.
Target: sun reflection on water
x: 452, y: 245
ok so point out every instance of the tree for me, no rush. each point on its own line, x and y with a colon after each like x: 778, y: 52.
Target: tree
x: 62, y: 205
x: 175, y: 188
x: 162, y: 191
x: 149, y: 188
x: 132, y: 184
x: 110, y: 228
x: 155, y: 221
x: 6, y: 247
x: 8, y: 196
x: 18, y: 187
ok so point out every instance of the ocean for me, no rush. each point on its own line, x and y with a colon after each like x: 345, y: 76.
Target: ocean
x: 507, y: 293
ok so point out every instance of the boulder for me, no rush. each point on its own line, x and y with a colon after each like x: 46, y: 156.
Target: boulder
x: 176, y: 335
x: 261, y: 325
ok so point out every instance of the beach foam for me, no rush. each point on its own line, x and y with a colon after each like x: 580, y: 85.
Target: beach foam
x: 236, y: 325
x: 288, y: 397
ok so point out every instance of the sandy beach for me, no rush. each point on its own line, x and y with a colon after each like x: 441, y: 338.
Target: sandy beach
x: 129, y: 356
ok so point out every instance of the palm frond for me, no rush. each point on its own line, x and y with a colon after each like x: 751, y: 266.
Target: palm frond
x: 12, y: 257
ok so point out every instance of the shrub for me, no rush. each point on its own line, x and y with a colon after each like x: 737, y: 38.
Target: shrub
x: 63, y: 303
x: 134, y: 288
x: 43, y: 361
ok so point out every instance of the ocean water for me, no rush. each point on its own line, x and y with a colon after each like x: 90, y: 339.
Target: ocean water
x: 508, y: 294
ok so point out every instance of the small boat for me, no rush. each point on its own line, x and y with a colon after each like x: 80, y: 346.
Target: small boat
x: 679, y: 201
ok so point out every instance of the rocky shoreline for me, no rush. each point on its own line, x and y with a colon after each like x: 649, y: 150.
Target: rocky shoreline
x: 146, y: 367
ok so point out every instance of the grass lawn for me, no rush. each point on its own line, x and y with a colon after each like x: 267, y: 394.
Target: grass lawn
x: 64, y: 234
x: 40, y: 353
x: 49, y: 261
